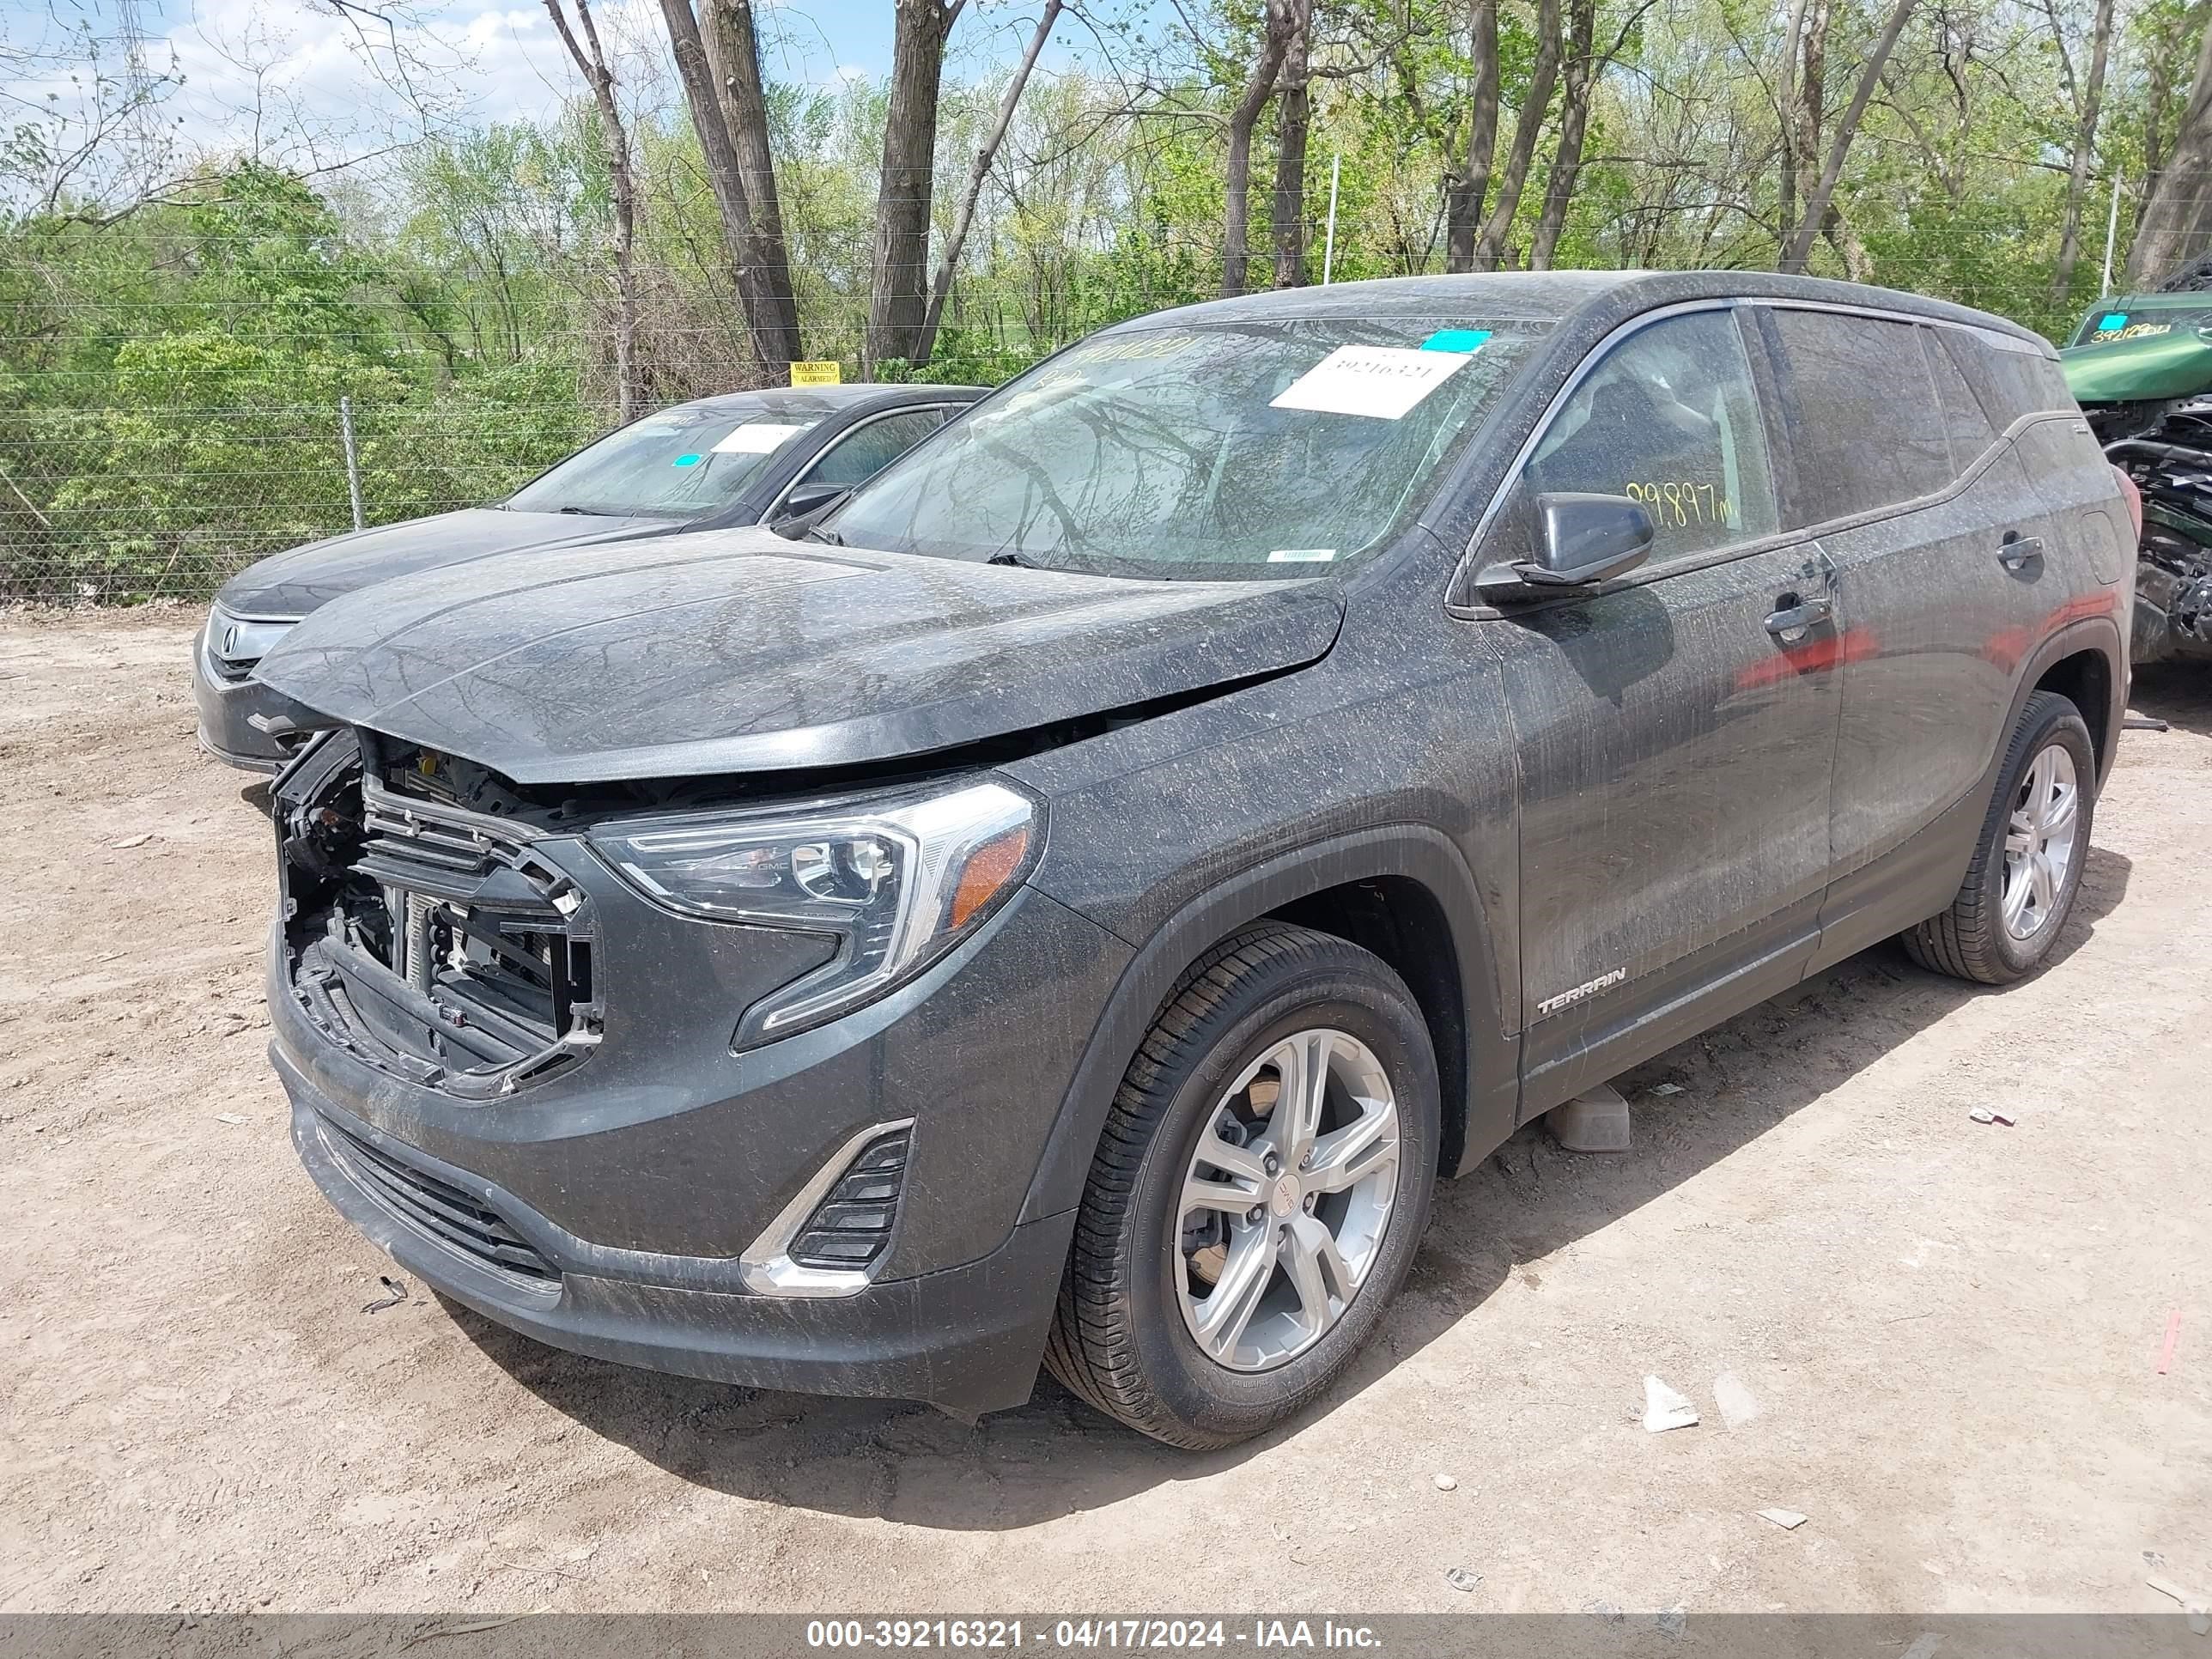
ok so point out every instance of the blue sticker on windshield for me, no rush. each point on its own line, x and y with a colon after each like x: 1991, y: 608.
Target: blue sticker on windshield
x: 2112, y: 320
x: 1457, y: 339
x: 689, y: 460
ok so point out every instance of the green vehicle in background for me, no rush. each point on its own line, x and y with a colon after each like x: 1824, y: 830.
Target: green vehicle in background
x: 2140, y: 367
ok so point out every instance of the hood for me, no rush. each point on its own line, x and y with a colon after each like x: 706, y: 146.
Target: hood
x: 737, y: 651
x: 2147, y: 368
x: 304, y: 579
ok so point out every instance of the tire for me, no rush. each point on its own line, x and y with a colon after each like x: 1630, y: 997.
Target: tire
x: 1126, y: 1335
x: 1974, y: 940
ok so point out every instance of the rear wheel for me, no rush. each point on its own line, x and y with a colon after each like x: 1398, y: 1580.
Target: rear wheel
x: 2026, y: 871
x: 1258, y: 1194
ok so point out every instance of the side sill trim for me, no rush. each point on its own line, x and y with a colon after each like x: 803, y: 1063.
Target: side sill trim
x: 766, y: 1267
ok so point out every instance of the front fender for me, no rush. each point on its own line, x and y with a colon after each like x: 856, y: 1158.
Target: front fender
x: 1418, y: 853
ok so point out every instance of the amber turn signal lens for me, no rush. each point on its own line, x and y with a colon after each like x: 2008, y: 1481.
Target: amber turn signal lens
x: 989, y: 869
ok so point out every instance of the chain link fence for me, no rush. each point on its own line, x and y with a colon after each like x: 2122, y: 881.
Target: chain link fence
x: 135, y: 502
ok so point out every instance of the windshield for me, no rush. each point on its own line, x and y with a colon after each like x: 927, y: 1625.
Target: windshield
x: 2114, y: 321
x: 680, y: 464
x: 1245, y: 449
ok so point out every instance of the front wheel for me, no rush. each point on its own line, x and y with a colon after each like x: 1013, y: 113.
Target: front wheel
x: 1261, y: 1185
x: 2026, y: 871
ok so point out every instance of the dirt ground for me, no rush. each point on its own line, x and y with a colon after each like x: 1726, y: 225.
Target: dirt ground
x: 1951, y: 1330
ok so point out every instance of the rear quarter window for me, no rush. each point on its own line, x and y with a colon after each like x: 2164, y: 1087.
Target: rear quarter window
x: 1967, y: 426
x: 2008, y: 384
x: 1861, y: 416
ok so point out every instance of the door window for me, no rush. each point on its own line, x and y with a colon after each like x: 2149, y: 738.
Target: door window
x: 1860, y: 414
x: 867, y: 449
x: 1669, y: 418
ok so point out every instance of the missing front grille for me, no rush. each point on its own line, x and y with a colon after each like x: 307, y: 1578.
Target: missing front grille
x: 435, y: 941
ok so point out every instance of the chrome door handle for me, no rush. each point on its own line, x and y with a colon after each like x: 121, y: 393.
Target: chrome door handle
x: 2017, y: 552
x: 1793, y: 622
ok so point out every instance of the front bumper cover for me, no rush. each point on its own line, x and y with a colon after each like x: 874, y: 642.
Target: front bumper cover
x: 644, y: 1174
x: 225, y: 709
x: 966, y: 1338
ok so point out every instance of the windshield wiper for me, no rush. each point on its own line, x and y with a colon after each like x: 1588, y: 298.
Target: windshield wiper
x: 815, y: 533
x: 588, y: 511
x: 1014, y: 559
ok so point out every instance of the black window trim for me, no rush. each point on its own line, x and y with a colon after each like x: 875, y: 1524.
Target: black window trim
x: 945, y: 412
x: 1969, y: 476
x: 1459, y: 593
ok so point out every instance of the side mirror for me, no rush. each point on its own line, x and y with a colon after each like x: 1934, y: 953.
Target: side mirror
x: 811, y: 498
x: 1581, y: 538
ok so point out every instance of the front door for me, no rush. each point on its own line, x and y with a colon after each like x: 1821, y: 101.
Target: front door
x: 1676, y: 731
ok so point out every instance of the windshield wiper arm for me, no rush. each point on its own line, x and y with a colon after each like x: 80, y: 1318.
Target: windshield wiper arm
x: 1014, y: 559
x: 588, y: 511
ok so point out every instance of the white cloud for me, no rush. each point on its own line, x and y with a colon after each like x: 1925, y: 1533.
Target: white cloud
x: 309, y: 84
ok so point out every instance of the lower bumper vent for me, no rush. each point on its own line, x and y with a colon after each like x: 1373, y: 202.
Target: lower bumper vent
x: 852, y: 1225
x: 441, y: 1210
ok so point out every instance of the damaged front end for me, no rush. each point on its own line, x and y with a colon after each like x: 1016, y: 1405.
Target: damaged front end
x: 2142, y: 370
x: 2171, y: 462
x: 425, y: 935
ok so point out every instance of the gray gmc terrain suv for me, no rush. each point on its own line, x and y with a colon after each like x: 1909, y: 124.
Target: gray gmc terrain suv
x: 1074, y: 906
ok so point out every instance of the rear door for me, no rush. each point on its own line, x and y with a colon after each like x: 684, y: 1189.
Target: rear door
x: 1936, y: 536
x: 1675, y: 728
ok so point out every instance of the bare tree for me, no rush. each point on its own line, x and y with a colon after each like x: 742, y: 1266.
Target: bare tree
x: 733, y: 54
x: 1809, y: 101
x: 1785, y: 110
x: 2087, y: 97
x: 1468, y: 191
x: 1490, y: 245
x: 592, y: 64
x: 1799, y: 247
x: 1574, y: 120
x: 1293, y: 126
x: 1236, y: 183
x: 941, y: 290
x: 898, y: 288
x: 773, y: 333
x: 2176, y: 220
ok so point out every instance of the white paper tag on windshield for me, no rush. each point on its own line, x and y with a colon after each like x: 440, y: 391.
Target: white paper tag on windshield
x: 757, y: 438
x: 1380, y: 381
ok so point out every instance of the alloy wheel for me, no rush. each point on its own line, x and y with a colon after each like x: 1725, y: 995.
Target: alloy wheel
x: 1286, y: 1200
x: 2038, y: 849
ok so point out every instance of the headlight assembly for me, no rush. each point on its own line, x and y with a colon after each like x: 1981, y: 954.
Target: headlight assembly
x: 896, y: 883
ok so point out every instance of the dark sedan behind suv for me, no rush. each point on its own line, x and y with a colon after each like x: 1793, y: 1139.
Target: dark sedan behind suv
x: 742, y: 457
x: 1077, y: 906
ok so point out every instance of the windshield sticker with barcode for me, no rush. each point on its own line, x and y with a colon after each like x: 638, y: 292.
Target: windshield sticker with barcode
x: 1380, y: 382
x: 1301, y: 555
x: 757, y: 438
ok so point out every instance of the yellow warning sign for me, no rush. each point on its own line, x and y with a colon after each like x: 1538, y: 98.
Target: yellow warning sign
x: 815, y: 373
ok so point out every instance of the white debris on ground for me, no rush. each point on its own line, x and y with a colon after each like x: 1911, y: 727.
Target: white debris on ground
x: 1737, y: 1403
x: 1665, y: 1409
